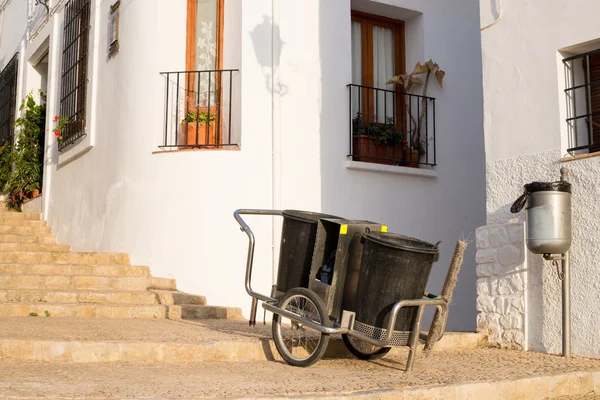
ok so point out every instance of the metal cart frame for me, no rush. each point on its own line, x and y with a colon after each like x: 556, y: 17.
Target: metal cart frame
x: 347, y: 321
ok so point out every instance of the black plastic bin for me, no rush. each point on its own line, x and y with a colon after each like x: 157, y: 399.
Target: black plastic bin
x: 393, y: 268
x: 297, y: 245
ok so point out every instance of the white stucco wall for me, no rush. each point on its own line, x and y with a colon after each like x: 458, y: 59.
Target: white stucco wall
x: 526, y: 137
x: 173, y: 211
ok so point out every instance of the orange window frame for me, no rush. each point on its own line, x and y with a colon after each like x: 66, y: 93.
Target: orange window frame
x: 367, y: 22
x: 190, y: 59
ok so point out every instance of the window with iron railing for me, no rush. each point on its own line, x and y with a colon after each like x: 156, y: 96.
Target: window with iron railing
x: 391, y: 127
x: 8, y: 99
x: 582, y: 92
x: 198, y: 109
x: 387, y: 126
x: 74, y: 75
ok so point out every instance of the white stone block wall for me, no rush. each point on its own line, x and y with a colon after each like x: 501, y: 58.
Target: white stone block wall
x: 502, y: 284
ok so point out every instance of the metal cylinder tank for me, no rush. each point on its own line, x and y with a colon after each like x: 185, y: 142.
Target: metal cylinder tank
x: 549, y: 222
x: 548, y: 216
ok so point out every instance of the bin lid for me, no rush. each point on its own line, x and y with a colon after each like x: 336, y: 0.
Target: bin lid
x: 305, y: 216
x: 400, y: 242
x: 558, y: 186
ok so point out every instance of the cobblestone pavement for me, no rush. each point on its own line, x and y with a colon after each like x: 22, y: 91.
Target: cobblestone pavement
x: 239, y: 379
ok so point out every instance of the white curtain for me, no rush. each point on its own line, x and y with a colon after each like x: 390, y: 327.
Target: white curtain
x: 383, y: 70
x: 356, y: 64
x: 206, y: 48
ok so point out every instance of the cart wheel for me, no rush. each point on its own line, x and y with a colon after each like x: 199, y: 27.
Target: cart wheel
x: 364, y: 350
x: 300, y: 345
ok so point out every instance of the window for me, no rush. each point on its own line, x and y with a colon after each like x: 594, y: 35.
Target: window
x: 377, y: 54
x: 8, y: 99
x: 74, y: 70
x: 198, y: 107
x: 582, y: 74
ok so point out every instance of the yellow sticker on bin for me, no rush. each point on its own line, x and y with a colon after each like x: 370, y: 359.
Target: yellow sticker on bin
x: 343, y: 229
x: 383, y: 228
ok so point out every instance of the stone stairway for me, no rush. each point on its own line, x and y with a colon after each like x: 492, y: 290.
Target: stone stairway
x: 40, y: 277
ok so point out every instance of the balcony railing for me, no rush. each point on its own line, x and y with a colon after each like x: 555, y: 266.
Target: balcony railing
x: 389, y: 127
x: 198, y: 109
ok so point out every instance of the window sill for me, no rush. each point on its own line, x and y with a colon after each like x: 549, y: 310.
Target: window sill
x: 580, y: 157
x: 390, y: 169
x: 75, y: 151
x: 175, y: 150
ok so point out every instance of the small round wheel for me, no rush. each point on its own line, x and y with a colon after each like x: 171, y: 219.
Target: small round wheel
x: 300, y: 345
x: 364, y: 350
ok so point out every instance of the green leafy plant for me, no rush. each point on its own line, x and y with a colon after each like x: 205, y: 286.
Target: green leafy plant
x: 6, y: 164
x: 32, y: 314
x: 27, y: 152
x: 47, y: 313
x: 200, y: 117
x: 382, y: 132
x: 409, y: 81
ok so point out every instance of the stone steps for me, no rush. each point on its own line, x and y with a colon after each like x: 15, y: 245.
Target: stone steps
x: 72, y: 282
x: 9, y: 221
x: 79, y: 296
x: 19, y: 215
x: 25, y: 257
x: 25, y: 230
x: 195, y: 312
x: 42, y: 239
x: 37, y: 275
x: 73, y: 269
x: 170, y: 297
x: 33, y: 247
x: 60, y: 310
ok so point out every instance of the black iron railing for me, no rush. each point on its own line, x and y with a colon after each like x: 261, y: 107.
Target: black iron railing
x: 74, y: 70
x: 582, y: 82
x: 389, y: 127
x: 8, y: 99
x: 198, y: 108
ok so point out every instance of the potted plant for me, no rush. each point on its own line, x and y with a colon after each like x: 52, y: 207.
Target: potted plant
x: 416, y: 147
x: 25, y: 179
x: 376, y: 142
x: 199, y: 121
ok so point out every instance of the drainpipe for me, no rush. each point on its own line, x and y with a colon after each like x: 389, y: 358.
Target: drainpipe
x: 275, y: 133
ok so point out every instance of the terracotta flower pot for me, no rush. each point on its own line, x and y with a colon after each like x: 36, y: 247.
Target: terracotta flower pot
x: 366, y: 150
x: 411, y: 158
x: 200, y: 133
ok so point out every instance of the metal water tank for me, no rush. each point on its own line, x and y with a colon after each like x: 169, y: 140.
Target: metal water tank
x: 548, y: 216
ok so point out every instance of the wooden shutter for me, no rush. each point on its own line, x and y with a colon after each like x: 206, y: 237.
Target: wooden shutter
x: 595, y: 100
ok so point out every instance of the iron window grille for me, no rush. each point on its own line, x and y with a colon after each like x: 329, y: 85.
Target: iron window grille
x: 8, y: 99
x: 391, y: 127
x: 198, y: 109
x: 582, y: 82
x: 74, y: 70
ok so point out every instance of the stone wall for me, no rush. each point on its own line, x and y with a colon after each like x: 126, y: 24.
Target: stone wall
x: 502, y: 284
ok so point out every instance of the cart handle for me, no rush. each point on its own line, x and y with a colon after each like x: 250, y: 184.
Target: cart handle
x: 251, y: 241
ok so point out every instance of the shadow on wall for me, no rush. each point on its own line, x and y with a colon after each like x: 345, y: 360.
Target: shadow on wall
x: 269, y: 56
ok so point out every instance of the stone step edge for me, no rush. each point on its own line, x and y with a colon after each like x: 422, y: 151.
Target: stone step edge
x: 532, y: 388
x: 552, y: 387
x: 257, y: 349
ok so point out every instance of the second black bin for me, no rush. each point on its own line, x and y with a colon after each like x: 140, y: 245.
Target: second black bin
x: 393, y: 268
x: 297, y: 245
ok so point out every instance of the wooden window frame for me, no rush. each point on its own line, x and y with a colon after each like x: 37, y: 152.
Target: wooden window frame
x: 367, y: 22
x: 190, y: 44
x: 190, y: 63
